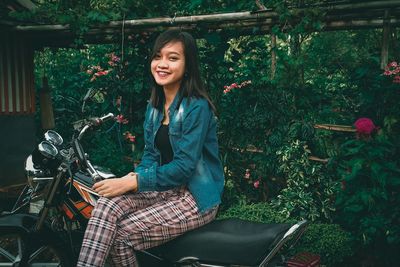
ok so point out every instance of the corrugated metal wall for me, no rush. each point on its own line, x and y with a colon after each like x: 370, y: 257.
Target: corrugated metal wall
x: 16, y: 76
x: 17, y: 107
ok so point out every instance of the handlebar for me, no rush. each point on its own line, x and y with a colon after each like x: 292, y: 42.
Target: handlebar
x: 79, y: 152
x: 101, y: 120
x: 95, y: 122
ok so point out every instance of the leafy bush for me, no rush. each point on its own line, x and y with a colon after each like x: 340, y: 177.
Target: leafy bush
x: 259, y: 212
x: 369, y: 204
x: 330, y: 241
x: 309, y: 191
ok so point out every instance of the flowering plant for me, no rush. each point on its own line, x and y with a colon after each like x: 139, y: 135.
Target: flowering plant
x: 228, y: 88
x: 393, y: 70
x: 364, y: 126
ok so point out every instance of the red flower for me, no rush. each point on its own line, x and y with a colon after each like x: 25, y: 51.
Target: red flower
x: 121, y: 119
x: 364, y: 126
x: 101, y: 73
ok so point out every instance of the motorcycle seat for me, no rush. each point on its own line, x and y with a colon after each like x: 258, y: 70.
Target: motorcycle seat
x: 228, y: 241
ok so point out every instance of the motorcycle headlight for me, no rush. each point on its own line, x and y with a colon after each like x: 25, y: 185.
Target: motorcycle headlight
x: 30, y: 171
x: 53, y: 137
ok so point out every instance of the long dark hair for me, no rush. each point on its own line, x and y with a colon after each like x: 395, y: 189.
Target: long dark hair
x: 191, y: 85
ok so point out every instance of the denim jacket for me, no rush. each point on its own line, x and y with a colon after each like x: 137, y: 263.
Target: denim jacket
x: 196, y: 164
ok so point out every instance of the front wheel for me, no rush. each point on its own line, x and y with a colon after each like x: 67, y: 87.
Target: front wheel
x: 17, y: 250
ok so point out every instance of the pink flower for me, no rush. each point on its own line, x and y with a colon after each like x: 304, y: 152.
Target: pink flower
x: 256, y: 184
x: 247, y: 174
x: 121, y: 119
x: 387, y: 73
x: 130, y: 137
x: 364, y: 126
x: 101, y: 73
x: 114, y: 58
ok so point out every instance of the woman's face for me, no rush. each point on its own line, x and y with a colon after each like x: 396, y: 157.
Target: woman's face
x: 168, y: 66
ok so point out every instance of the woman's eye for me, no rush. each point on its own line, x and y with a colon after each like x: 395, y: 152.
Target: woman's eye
x: 173, y: 58
x: 157, y: 57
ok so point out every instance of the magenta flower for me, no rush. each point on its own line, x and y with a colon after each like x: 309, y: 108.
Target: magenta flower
x: 256, y: 184
x: 364, y: 126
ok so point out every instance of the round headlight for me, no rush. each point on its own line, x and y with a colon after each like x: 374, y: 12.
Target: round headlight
x: 47, y: 149
x: 53, y: 137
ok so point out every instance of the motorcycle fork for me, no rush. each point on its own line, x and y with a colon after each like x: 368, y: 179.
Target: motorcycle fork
x: 50, y: 197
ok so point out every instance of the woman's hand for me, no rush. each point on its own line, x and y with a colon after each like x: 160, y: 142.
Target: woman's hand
x: 117, y: 186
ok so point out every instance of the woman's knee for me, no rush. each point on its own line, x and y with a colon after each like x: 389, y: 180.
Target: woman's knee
x: 109, y: 207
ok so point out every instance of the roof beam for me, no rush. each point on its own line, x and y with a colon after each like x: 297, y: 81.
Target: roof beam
x: 335, y: 17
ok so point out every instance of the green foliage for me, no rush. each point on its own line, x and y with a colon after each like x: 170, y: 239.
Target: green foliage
x: 255, y: 212
x: 368, y: 204
x: 330, y: 241
x: 309, y: 191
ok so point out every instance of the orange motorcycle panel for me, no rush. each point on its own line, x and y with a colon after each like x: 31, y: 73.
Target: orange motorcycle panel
x: 84, y: 208
x: 67, y: 212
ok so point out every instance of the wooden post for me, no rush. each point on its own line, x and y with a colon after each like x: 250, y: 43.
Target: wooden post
x: 46, y: 106
x: 273, y: 44
x: 385, y: 40
x: 273, y: 56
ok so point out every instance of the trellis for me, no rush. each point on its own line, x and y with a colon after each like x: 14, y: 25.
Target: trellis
x: 335, y: 16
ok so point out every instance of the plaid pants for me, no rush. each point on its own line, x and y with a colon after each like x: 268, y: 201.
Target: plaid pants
x: 130, y: 222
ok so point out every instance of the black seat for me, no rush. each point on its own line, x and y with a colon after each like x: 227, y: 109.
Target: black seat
x: 230, y: 241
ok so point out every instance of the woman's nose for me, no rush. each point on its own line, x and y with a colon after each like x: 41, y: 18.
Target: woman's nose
x: 162, y: 64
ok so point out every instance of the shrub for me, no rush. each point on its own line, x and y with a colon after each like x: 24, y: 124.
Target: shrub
x: 309, y: 190
x: 368, y: 204
x: 330, y: 241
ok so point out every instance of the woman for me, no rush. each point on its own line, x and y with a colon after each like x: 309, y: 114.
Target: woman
x: 177, y: 186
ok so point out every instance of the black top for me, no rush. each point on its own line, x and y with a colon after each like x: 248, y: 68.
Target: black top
x: 163, y: 144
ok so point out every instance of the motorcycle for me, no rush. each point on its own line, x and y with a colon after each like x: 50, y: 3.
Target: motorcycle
x: 61, y: 176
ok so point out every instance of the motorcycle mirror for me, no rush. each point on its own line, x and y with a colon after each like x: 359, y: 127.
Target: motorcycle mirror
x: 87, y: 96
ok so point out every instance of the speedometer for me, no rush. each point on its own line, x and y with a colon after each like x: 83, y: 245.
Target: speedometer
x: 47, y: 149
x: 53, y: 137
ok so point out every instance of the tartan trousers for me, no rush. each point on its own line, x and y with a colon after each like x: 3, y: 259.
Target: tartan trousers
x: 138, y: 221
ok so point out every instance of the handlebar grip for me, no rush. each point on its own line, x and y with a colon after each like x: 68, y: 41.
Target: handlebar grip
x: 99, y: 121
x: 107, y: 117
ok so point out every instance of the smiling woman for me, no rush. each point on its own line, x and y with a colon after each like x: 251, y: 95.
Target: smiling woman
x: 177, y: 186
x: 168, y: 66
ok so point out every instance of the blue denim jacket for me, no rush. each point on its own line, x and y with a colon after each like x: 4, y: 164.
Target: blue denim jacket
x: 196, y: 164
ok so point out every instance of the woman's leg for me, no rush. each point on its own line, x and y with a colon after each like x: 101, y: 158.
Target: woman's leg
x: 157, y: 224
x: 101, y: 229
